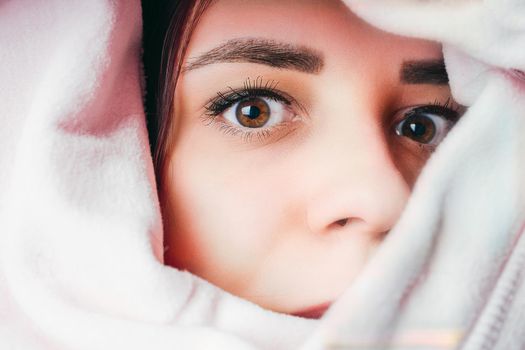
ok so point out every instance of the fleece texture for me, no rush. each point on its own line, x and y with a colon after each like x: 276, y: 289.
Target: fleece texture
x: 80, y: 227
x: 450, y: 273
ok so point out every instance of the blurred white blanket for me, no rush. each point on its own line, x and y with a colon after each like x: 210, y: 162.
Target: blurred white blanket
x: 80, y: 229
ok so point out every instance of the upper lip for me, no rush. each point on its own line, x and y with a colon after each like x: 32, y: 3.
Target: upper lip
x: 316, y: 311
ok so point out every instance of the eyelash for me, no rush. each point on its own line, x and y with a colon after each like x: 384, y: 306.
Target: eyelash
x: 251, y: 88
x: 257, y: 88
x: 449, y: 109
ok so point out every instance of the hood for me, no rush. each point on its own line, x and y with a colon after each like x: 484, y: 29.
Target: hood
x: 80, y: 225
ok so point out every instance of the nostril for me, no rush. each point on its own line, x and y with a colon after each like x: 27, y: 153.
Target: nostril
x: 342, y: 222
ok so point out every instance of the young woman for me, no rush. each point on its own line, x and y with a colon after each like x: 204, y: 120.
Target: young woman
x: 287, y: 136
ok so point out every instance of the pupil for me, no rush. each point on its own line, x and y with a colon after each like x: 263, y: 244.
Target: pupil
x: 418, y: 129
x: 251, y: 112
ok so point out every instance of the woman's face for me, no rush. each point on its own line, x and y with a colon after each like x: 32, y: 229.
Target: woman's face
x: 300, y: 131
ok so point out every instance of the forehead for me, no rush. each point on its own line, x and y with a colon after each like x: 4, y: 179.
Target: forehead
x: 325, y: 25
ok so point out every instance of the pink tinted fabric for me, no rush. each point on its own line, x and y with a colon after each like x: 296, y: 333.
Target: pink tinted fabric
x: 80, y: 229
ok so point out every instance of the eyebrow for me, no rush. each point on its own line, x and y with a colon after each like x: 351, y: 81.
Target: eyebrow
x: 431, y: 72
x: 262, y: 51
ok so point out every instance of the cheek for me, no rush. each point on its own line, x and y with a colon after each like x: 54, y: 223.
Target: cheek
x: 224, y: 212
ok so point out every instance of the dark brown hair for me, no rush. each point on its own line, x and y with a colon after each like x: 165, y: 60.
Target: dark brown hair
x: 168, y: 25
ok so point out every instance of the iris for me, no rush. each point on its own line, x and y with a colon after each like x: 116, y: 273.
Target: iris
x: 253, y: 112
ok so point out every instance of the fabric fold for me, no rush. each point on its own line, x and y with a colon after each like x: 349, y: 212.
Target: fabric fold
x: 81, y: 232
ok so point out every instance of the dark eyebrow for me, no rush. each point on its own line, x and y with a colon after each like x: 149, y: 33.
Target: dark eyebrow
x: 424, y: 72
x: 261, y: 51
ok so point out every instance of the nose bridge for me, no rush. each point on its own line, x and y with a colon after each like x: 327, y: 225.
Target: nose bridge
x: 351, y: 141
x: 354, y: 178
x: 352, y: 120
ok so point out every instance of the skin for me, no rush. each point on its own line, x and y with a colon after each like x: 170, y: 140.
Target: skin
x: 261, y: 218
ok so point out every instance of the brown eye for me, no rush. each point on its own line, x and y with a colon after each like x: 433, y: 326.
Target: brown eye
x: 427, y: 125
x: 258, y: 114
x: 253, y: 112
x: 419, y: 128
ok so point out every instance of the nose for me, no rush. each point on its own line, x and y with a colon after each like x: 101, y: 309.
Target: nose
x: 355, y: 185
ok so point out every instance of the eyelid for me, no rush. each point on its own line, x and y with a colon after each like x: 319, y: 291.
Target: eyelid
x: 225, y: 100
x: 257, y: 87
x: 449, y: 113
x: 270, y: 134
x: 450, y: 109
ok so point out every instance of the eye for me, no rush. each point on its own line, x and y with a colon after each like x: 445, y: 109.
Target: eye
x: 427, y: 124
x: 257, y: 112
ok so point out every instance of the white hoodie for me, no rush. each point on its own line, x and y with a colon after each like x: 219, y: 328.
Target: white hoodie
x: 80, y: 223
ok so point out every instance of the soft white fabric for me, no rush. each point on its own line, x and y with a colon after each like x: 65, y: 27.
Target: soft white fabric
x: 78, y: 206
x: 80, y: 230
x: 450, y: 274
